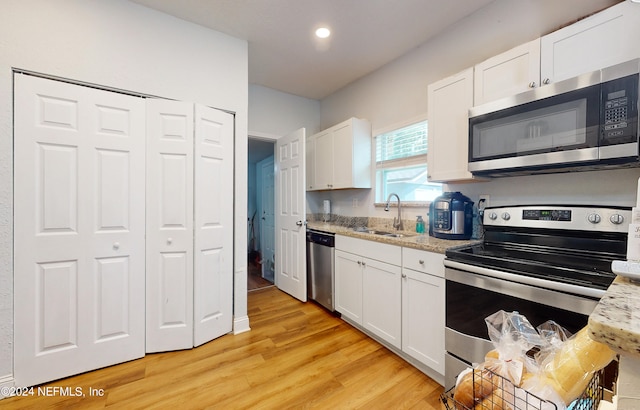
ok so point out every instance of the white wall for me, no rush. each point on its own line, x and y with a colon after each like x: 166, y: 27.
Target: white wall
x: 397, y: 93
x: 274, y: 113
x: 117, y: 44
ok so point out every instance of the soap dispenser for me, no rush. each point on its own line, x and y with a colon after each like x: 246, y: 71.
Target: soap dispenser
x: 420, y: 225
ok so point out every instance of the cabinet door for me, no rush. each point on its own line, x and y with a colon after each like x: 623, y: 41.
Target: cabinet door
x: 348, y: 285
x: 599, y: 41
x: 310, y: 164
x: 423, y: 318
x: 342, y: 156
x: 449, y: 101
x: 381, y: 301
x: 507, y: 74
x: 324, y: 160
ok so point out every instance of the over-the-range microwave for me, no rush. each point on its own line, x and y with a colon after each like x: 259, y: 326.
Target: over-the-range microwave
x: 587, y: 122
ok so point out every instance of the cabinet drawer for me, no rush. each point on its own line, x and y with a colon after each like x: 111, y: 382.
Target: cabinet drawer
x: 423, y: 261
x: 370, y: 249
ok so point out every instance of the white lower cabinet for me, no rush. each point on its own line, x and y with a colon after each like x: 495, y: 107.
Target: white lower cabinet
x: 368, y: 286
x: 394, y: 294
x: 381, y: 300
x: 348, y: 285
x: 423, y: 308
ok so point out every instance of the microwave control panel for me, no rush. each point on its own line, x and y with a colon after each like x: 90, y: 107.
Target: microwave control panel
x: 620, y: 115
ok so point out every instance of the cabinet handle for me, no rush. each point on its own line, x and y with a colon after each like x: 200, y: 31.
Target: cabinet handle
x: 532, y: 84
x: 404, y: 276
x: 546, y: 81
x: 364, y: 264
x: 359, y: 263
x: 116, y: 245
x: 421, y: 262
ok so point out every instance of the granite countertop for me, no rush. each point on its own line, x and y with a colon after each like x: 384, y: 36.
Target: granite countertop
x: 411, y: 240
x: 616, y: 320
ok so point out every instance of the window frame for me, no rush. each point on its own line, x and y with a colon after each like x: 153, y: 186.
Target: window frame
x: 420, y: 159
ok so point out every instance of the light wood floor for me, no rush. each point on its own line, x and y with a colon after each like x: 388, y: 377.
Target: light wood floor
x: 296, y: 356
x: 255, y: 279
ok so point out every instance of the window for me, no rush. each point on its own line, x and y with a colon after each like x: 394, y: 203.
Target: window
x: 401, y: 165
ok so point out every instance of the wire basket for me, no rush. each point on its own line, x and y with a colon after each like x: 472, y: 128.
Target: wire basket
x: 514, y: 398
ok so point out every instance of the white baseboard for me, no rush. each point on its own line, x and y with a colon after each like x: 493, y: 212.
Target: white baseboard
x: 434, y: 375
x: 6, y: 381
x: 241, y: 325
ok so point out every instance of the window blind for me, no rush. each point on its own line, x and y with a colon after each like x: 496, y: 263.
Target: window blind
x: 402, y: 143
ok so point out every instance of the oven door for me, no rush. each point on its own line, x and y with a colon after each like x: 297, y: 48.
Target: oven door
x: 470, y: 298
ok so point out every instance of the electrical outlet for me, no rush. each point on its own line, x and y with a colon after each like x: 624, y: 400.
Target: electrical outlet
x: 354, y: 203
x: 483, y: 201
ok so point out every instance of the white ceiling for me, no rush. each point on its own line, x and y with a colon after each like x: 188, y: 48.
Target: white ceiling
x: 283, y: 53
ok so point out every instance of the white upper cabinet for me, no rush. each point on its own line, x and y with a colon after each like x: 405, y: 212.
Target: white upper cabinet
x: 310, y: 163
x: 448, y: 103
x: 507, y: 74
x: 341, y: 157
x: 323, y: 161
x: 598, y: 41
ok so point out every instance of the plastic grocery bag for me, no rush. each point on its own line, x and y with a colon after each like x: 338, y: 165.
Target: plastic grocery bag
x: 512, y: 336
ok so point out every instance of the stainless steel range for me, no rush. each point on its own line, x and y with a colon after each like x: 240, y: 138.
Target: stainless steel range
x: 546, y: 262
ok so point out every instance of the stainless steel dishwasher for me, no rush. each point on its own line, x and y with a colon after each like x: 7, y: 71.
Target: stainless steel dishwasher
x: 320, y: 267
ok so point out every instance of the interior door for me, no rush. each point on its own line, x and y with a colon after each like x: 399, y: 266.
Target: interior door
x: 291, y: 258
x: 169, y: 287
x: 267, y: 220
x: 213, y: 200
x: 79, y: 269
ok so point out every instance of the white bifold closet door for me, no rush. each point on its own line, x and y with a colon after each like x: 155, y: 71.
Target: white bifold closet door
x: 90, y: 183
x: 213, y: 226
x: 169, y: 225
x: 189, y: 224
x: 79, y: 206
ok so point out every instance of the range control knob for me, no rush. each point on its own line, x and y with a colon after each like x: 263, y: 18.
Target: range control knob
x: 616, y: 219
x: 493, y: 216
x: 593, y: 218
x: 506, y: 216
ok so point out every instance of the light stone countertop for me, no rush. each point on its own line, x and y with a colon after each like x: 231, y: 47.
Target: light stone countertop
x: 411, y: 240
x: 616, y: 320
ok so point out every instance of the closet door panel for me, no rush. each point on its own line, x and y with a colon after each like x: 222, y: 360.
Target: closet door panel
x: 169, y: 225
x: 79, y: 229
x: 213, y: 270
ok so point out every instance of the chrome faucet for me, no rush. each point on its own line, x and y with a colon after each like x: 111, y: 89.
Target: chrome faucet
x: 397, y: 222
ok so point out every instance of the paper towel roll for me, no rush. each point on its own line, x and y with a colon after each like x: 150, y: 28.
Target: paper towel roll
x: 326, y: 207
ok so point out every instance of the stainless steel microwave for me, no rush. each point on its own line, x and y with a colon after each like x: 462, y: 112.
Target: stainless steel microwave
x: 587, y: 122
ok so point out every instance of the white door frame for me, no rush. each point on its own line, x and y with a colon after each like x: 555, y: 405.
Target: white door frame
x: 269, y: 138
x: 266, y: 238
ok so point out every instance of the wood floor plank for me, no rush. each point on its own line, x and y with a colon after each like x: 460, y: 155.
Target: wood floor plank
x: 296, y: 356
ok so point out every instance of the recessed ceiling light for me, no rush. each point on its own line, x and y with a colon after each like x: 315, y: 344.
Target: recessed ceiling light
x: 323, y: 32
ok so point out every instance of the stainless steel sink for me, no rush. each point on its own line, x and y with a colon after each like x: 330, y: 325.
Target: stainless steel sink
x: 384, y: 233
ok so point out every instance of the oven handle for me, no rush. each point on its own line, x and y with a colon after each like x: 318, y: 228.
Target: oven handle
x: 546, y: 284
x: 565, y: 301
